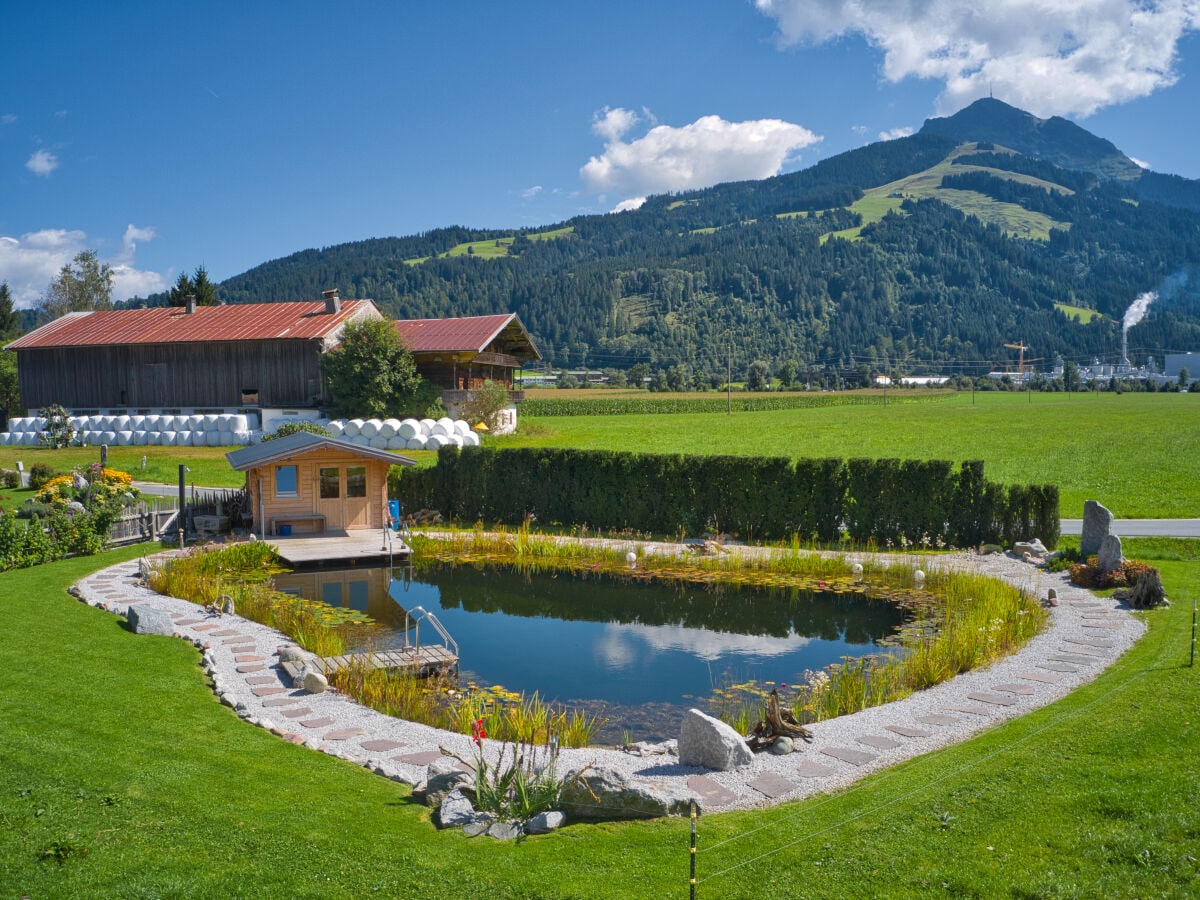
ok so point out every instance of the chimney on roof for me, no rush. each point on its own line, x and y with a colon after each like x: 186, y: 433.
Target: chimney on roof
x: 333, y: 302
x: 189, y: 306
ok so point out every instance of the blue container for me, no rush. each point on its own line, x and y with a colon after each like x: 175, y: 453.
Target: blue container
x: 394, y: 512
x: 285, y: 530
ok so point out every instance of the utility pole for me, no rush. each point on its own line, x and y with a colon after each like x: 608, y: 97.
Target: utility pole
x: 729, y: 380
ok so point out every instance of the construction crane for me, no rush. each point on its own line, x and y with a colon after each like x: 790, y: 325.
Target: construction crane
x: 1021, y: 359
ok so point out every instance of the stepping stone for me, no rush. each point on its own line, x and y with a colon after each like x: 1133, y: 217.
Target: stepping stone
x: 850, y: 755
x: 1014, y: 688
x: 228, y: 632
x: 282, y: 701
x: 772, y: 785
x: 879, y: 743
x: 938, y: 720
x: 906, y: 731
x: 209, y: 627
x: 1085, y: 651
x: 973, y: 708
x: 249, y: 657
x: 263, y: 679
x: 1078, y: 659
x: 188, y: 621
x: 268, y: 691
x: 316, y: 723
x: 297, y: 713
x: 341, y: 734
x: 1057, y: 667
x: 1107, y: 626
x: 1096, y: 615
x: 252, y: 667
x: 237, y: 639
x: 995, y: 699
x: 424, y: 758
x: 381, y: 746
x: 809, y: 769
x: 711, y: 793
x: 1043, y: 677
x: 1090, y: 642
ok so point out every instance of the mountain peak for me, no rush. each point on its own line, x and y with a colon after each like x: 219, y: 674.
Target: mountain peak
x: 1055, y: 140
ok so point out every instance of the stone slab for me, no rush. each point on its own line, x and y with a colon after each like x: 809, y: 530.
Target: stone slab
x: 235, y: 639
x: 281, y: 701
x: 1043, y: 677
x: 1022, y: 689
x: 772, y: 784
x: 938, y: 720
x: 1090, y: 642
x: 249, y: 658
x: 423, y: 758
x: 263, y: 679
x: 227, y: 632
x: 1086, y: 651
x: 381, y: 746
x: 343, y: 734
x: 710, y: 792
x: 850, y: 755
x: 908, y: 731
x: 1104, y: 626
x: 994, y: 699
x: 1075, y: 659
x: 251, y: 667
x: 1057, y: 667
x: 268, y: 691
x: 298, y: 713
x: 878, y: 742
x: 809, y: 769
x: 209, y: 627
x: 316, y: 723
x: 187, y: 621
x: 973, y: 708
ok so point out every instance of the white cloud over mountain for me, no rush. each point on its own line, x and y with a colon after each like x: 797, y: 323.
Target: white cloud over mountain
x: 1051, y: 57
x: 706, y: 152
x: 42, y: 162
x: 30, y: 262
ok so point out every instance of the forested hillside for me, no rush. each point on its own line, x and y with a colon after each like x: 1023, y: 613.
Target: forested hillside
x: 756, y: 270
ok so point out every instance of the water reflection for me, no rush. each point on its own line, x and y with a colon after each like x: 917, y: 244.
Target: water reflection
x: 616, y: 643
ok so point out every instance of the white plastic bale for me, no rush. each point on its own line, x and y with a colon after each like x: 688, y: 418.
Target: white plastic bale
x: 369, y: 428
x: 237, y: 422
x: 395, y: 442
x: 439, y: 429
x: 137, y: 423
x: 470, y: 439
x: 124, y: 438
x: 447, y: 423
x: 252, y: 423
x: 352, y: 428
x: 461, y: 427
x: 388, y: 428
x: 337, y: 428
x: 409, y: 428
x: 153, y: 438
x: 415, y: 443
x: 361, y: 441
x: 16, y: 425
x: 436, y: 441
x: 121, y: 423
x: 108, y: 437
x: 140, y: 438
x: 5, y: 438
x: 168, y: 438
x: 226, y: 438
x: 183, y: 438
x: 379, y: 442
x: 211, y: 422
x: 456, y: 440
x: 195, y: 422
x: 241, y: 438
x: 427, y: 426
x: 217, y: 438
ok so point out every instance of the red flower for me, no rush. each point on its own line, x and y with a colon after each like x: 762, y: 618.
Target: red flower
x: 478, y: 732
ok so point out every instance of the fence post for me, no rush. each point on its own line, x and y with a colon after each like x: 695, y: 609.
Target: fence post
x: 692, y: 881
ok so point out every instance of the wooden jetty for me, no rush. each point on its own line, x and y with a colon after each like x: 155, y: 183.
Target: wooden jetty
x: 416, y: 660
x: 336, y: 549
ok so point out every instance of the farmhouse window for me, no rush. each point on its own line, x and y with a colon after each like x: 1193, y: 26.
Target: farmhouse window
x: 356, y: 481
x: 286, y: 481
x: 331, y: 480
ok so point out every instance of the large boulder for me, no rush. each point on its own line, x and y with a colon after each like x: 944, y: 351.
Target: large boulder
x: 605, y: 792
x: 148, y: 620
x: 1109, y: 557
x: 457, y: 810
x: 442, y: 779
x: 1032, y: 548
x: 1097, y: 525
x: 709, y: 742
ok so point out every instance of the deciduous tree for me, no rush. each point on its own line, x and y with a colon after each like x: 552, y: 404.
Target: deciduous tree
x: 372, y: 373
x: 83, y: 285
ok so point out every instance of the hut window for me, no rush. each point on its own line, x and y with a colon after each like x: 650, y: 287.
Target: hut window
x: 356, y: 481
x: 331, y: 483
x: 285, y: 481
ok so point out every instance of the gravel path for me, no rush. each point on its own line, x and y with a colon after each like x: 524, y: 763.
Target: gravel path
x: 1085, y: 634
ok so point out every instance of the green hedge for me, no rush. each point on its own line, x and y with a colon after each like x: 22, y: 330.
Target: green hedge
x: 881, y: 500
x: 662, y: 404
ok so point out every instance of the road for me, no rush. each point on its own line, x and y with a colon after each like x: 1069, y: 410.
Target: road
x: 1182, y: 528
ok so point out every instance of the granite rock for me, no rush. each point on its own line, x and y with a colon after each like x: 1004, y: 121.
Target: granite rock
x: 707, y: 741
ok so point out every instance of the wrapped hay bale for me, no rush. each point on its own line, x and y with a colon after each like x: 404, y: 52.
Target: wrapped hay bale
x: 409, y: 428
x: 436, y: 441
x: 369, y: 428
x: 470, y: 439
x: 415, y: 443
x: 427, y: 426
x: 124, y: 438
x: 337, y: 427
x: 395, y: 442
x: 379, y: 442
x: 353, y: 427
x: 388, y: 428
x: 461, y: 427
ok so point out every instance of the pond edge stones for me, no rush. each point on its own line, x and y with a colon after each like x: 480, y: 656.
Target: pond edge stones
x: 707, y: 741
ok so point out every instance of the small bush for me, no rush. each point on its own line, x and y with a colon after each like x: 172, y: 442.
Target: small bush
x: 1087, y: 574
x: 288, y: 428
x: 40, y: 474
x: 10, y: 478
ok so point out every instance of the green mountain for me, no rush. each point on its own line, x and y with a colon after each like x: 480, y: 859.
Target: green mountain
x: 923, y: 254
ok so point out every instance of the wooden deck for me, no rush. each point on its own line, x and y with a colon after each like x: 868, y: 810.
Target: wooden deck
x: 340, y: 548
x: 426, y: 659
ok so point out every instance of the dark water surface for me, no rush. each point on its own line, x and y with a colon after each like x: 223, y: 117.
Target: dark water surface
x: 638, y: 652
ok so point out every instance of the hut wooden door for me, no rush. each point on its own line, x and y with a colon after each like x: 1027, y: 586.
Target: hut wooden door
x: 356, y: 510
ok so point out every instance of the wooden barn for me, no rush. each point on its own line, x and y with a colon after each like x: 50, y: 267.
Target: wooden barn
x: 309, y: 483
x: 250, y: 355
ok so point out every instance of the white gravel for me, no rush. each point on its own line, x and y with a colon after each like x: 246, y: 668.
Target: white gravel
x: 1080, y: 618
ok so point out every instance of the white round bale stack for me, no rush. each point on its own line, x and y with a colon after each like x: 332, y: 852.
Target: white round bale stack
x: 415, y: 443
x: 353, y: 427
x: 436, y: 441
x: 369, y: 428
x: 409, y: 428
x: 461, y: 427
x: 388, y: 428
x: 470, y: 439
x: 140, y: 438
x: 379, y: 442
x: 337, y: 428
x: 124, y: 438
x: 427, y: 426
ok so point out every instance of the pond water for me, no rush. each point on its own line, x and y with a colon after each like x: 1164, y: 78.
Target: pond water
x: 639, y: 653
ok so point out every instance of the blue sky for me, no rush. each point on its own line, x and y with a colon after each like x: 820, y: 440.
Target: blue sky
x: 170, y: 135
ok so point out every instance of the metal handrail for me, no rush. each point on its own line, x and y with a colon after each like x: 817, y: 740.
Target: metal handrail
x: 447, y: 641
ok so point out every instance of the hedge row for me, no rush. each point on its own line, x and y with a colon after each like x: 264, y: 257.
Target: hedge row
x: 881, y: 500
x: 663, y: 404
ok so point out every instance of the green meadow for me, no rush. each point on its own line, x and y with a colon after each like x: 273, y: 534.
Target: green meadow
x: 122, y: 776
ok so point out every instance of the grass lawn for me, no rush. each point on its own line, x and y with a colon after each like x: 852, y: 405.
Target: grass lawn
x: 121, y: 776
x: 1125, y: 450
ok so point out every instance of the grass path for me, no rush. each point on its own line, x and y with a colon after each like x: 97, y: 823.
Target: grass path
x: 115, y: 757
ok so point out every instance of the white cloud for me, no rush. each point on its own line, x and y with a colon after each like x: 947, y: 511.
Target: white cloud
x: 892, y: 133
x: 860, y: 130
x: 42, y: 163
x: 8, y: 119
x: 530, y: 192
x: 30, y: 262
x: 612, y: 124
x: 1051, y: 57
x: 1140, y: 162
x: 706, y: 152
x: 620, y: 644
x: 627, y: 205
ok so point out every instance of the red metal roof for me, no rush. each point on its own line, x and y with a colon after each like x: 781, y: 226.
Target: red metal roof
x: 471, y: 333
x: 173, y: 325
